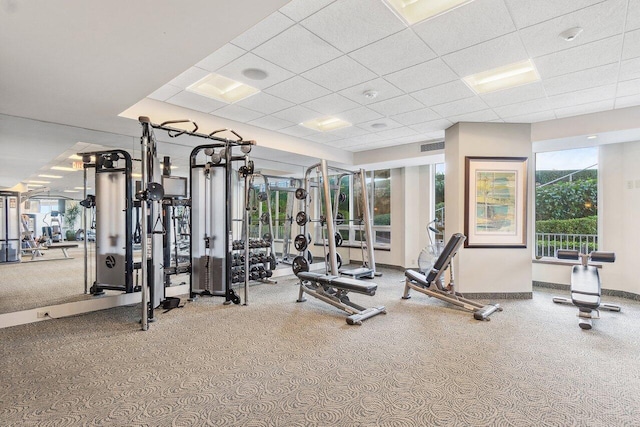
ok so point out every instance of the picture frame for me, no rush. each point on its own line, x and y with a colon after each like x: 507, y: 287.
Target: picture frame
x: 495, y: 209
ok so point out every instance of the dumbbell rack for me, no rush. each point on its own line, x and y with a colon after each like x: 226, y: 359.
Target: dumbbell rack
x: 261, y: 262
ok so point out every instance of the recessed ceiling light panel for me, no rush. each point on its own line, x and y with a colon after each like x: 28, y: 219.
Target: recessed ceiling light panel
x: 414, y: 11
x: 222, y: 88
x: 505, y: 77
x: 326, y: 124
x: 50, y: 176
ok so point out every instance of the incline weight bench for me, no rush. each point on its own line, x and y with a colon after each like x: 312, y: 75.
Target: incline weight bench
x: 334, y: 289
x: 585, y: 285
x: 433, y: 283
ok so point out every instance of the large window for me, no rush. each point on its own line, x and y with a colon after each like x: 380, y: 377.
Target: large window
x: 566, y: 201
x: 379, y: 200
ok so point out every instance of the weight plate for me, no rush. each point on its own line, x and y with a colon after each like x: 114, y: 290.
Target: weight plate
x: 339, y: 218
x: 338, y: 239
x: 301, y: 218
x: 267, y: 237
x: 342, y: 198
x: 299, y: 264
x: 339, y: 259
x: 301, y: 194
x: 272, y: 262
x: 264, y: 218
x: 300, y: 242
x: 262, y: 196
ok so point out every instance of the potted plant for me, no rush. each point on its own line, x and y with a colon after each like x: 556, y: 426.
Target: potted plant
x: 70, y: 217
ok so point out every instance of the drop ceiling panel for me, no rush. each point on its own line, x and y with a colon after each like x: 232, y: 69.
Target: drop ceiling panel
x: 630, y: 87
x: 393, y: 53
x: 630, y: 69
x: 475, y: 116
x: 264, y: 103
x: 415, y: 117
x: 514, y: 95
x: 297, y: 90
x: 297, y: 130
x: 472, y: 23
x: 383, y: 88
x: 532, y: 118
x: 527, y: 12
x: 633, y: 15
x: 363, y: 139
x: 387, y: 122
x: 583, y: 96
x: 599, y: 21
x: 447, y: 92
x: 631, y: 47
x: 422, y: 76
x: 275, y: 74
x: 585, y: 108
x: 351, y: 24
x: 331, y: 104
x: 189, y: 77
x: 165, y: 92
x: 269, y: 27
x: 220, y: 57
x: 488, y: 55
x: 585, y: 56
x: 435, y: 125
x: 400, y: 104
x: 528, y: 107
x: 237, y: 113
x: 359, y: 115
x: 300, y: 9
x: 339, y: 74
x: 195, y: 102
x: 396, y: 133
x: 349, y: 132
x: 322, y: 137
x: 271, y: 123
x: 627, y: 101
x: 580, y: 80
x: 461, y: 106
x: 296, y: 114
x: 297, y: 50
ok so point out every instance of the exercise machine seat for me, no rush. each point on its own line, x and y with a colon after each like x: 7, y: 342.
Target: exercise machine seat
x: 585, y: 286
x: 417, y: 277
x: 347, y: 284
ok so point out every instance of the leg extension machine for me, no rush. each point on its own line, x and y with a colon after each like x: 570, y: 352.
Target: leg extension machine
x: 433, y: 283
x: 585, y: 285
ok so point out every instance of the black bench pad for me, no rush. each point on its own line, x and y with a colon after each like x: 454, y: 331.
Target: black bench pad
x: 585, y: 286
x: 61, y: 246
x: 354, y: 285
x: 417, y: 277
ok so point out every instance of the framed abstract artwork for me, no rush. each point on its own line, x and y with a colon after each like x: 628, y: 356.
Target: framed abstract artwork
x: 495, y: 202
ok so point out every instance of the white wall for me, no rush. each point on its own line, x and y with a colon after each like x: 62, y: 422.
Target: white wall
x: 618, y: 227
x: 479, y: 269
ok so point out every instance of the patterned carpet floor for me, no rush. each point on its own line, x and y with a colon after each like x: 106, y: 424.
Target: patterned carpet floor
x: 281, y: 363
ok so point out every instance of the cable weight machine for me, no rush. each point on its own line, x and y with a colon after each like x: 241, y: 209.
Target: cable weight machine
x: 212, y: 244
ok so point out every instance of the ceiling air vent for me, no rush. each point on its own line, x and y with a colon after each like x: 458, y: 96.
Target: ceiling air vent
x: 432, y: 146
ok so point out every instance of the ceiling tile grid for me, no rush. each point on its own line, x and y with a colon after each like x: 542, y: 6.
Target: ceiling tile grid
x: 396, y: 83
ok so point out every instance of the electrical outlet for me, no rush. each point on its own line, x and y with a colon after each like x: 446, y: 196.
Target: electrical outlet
x: 43, y: 314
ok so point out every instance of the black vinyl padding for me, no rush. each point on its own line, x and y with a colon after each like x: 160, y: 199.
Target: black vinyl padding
x: 585, y: 286
x: 339, y: 282
x: 567, y: 254
x: 417, y: 277
x: 599, y: 256
x: 452, y: 244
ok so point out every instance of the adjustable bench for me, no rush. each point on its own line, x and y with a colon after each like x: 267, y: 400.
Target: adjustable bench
x: 585, y: 285
x: 39, y: 251
x: 334, y: 289
x: 433, y: 283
